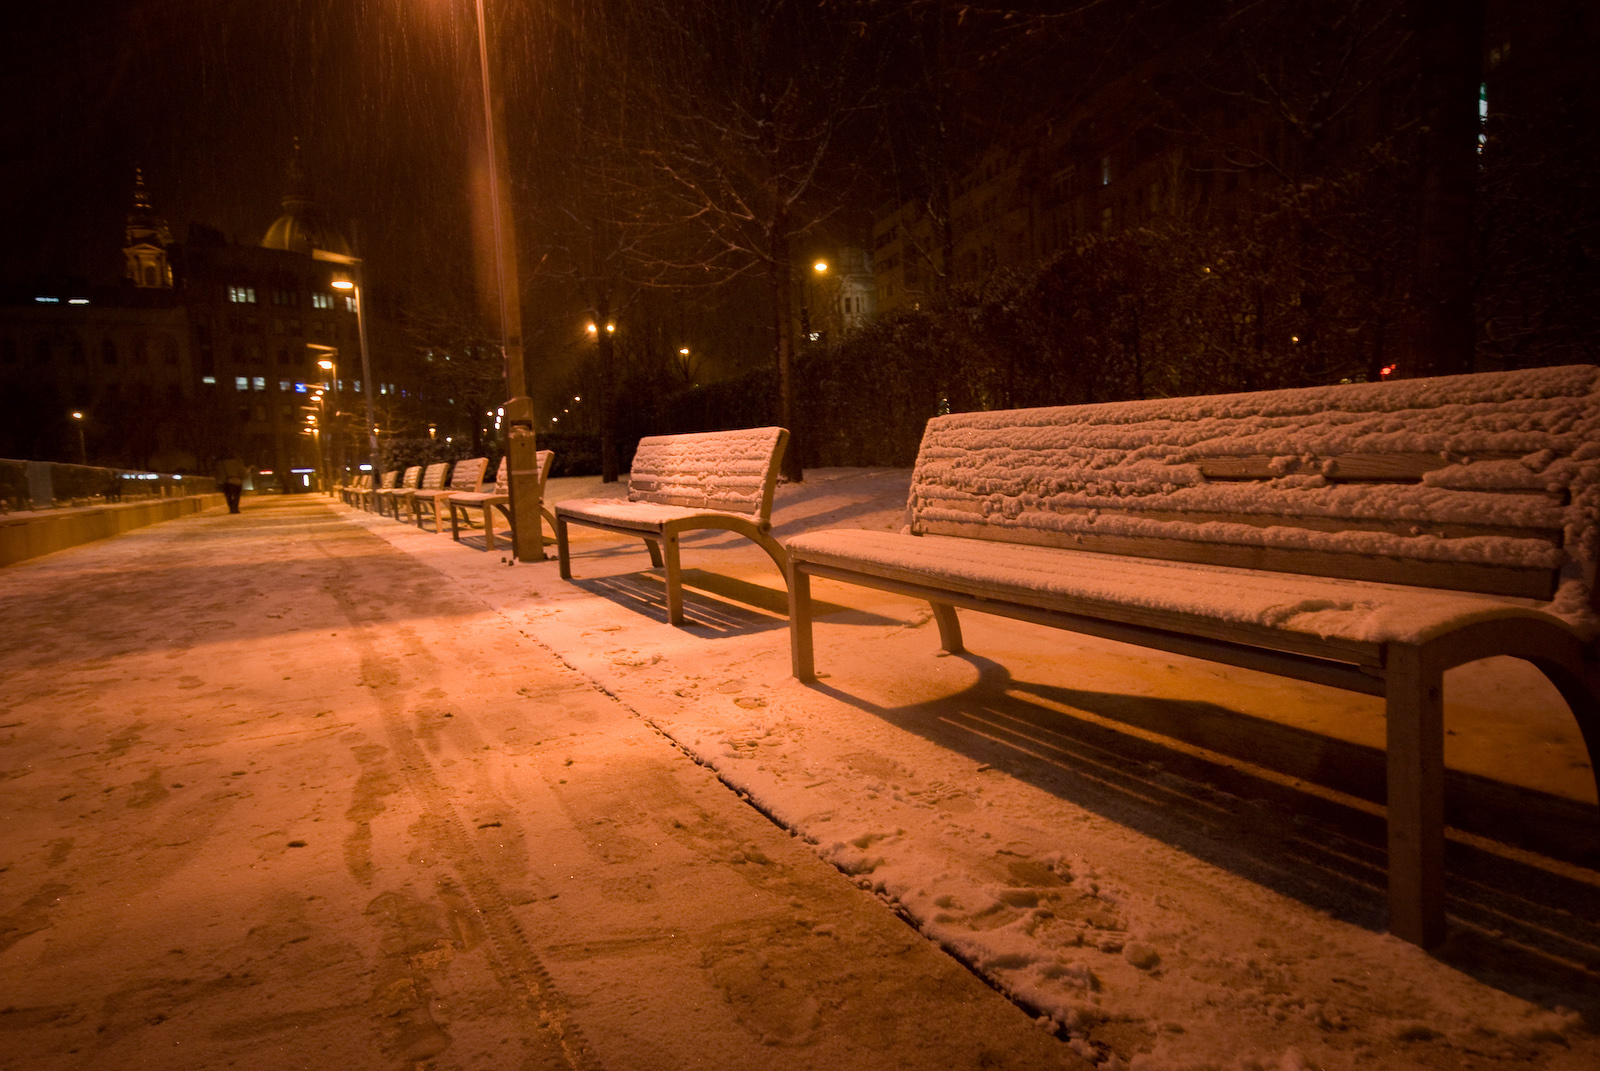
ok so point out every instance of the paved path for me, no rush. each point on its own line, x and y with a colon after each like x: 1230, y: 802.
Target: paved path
x: 274, y: 794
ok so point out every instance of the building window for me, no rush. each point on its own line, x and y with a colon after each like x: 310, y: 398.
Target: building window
x: 241, y: 382
x: 75, y: 350
x: 259, y: 382
x: 283, y: 385
x: 349, y: 303
x: 285, y: 297
x: 242, y: 295
x: 169, y: 351
x: 1105, y: 170
x: 321, y: 301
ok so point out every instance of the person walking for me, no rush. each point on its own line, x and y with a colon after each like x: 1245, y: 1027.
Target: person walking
x: 230, y: 478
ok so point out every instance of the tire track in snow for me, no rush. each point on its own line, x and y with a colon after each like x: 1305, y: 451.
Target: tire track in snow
x: 512, y: 955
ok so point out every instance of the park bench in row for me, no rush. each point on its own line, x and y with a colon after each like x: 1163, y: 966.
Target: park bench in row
x: 1366, y: 536
x: 405, y: 498
x: 466, y: 477
x: 389, y: 495
x: 683, y: 483
x: 461, y: 504
x: 352, y: 491
x: 371, y: 500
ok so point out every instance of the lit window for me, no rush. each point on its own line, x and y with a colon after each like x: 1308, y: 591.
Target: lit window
x: 259, y: 382
x: 209, y: 380
x: 1483, y: 114
x: 242, y: 295
x: 358, y: 386
x: 1105, y: 170
x: 322, y: 301
x: 283, y: 385
x: 241, y: 382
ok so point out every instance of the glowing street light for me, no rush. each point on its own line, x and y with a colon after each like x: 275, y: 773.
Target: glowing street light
x: 83, y: 450
x: 351, y: 281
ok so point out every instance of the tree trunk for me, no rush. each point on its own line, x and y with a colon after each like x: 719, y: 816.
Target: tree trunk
x: 782, y: 278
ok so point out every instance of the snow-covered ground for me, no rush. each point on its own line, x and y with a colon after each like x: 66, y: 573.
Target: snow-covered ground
x: 1172, y: 864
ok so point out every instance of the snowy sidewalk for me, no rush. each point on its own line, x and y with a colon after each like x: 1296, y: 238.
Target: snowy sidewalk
x: 1178, y: 864
x: 277, y: 795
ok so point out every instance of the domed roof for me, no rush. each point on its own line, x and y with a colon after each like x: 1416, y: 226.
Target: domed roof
x: 303, y: 226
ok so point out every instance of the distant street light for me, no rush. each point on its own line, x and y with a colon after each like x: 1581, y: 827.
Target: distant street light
x: 83, y: 449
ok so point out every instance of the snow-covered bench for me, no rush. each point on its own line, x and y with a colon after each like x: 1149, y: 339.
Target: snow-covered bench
x: 371, y: 499
x: 466, y: 477
x: 1366, y: 536
x: 432, y: 482
x: 387, y: 494
x: 353, y: 492
x: 463, y: 503
x: 683, y: 483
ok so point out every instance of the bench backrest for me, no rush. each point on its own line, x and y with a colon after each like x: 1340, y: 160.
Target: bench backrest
x: 468, y: 474
x: 391, y: 478
x: 413, y: 476
x: 541, y: 463
x: 1475, y: 483
x: 433, y: 478
x: 730, y: 471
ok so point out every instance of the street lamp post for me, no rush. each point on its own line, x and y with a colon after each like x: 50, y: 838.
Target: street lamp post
x: 83, y: 449
x: 330, y: 365
x: 522, y: 467
x: 351, y: 283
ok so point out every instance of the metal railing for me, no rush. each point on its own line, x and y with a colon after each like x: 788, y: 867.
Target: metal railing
x: 41, y: 485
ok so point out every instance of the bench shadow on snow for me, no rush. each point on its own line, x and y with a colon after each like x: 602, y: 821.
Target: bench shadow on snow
x: 713, y: 605
x: 1522, y: 915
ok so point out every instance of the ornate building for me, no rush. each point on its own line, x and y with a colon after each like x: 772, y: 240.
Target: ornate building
x: 207, y: 347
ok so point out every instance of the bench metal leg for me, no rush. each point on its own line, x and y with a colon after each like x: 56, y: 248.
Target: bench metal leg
x: 949, y: 627
x: 563, y: 557
x: 669, y: 550
x: 1415, y: 709
x: 801, y: 656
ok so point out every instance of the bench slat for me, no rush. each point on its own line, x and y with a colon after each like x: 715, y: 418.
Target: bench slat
x: 1526, y: 583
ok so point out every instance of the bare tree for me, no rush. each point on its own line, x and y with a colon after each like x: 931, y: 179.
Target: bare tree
x: 749, y: 100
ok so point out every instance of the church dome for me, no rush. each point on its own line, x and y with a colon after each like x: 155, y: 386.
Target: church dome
x: 303, y: 226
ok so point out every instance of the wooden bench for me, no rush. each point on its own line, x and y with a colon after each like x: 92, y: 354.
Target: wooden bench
x: 684, y: 483
x: 388, y: 494
x: 351, y: 493
x: 466, y: 477
x: 371, y: 498
x: 462, y: 504
x: 432, y: 481
x: 1367, y: 536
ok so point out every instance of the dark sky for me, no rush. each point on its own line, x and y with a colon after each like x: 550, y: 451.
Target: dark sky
x: 207, y: 95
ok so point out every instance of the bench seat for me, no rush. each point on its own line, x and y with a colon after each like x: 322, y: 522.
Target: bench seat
x: 1281, y: 609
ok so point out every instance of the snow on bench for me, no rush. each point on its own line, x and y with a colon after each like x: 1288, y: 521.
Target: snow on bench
x: 432, y: 482
x: 682, y: 483
x: 370, y: 499
x: 407, y: 481
x: 466, y: 477
x: 1364, y: 536
x: 461, y: 504
x: 354, y: 492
